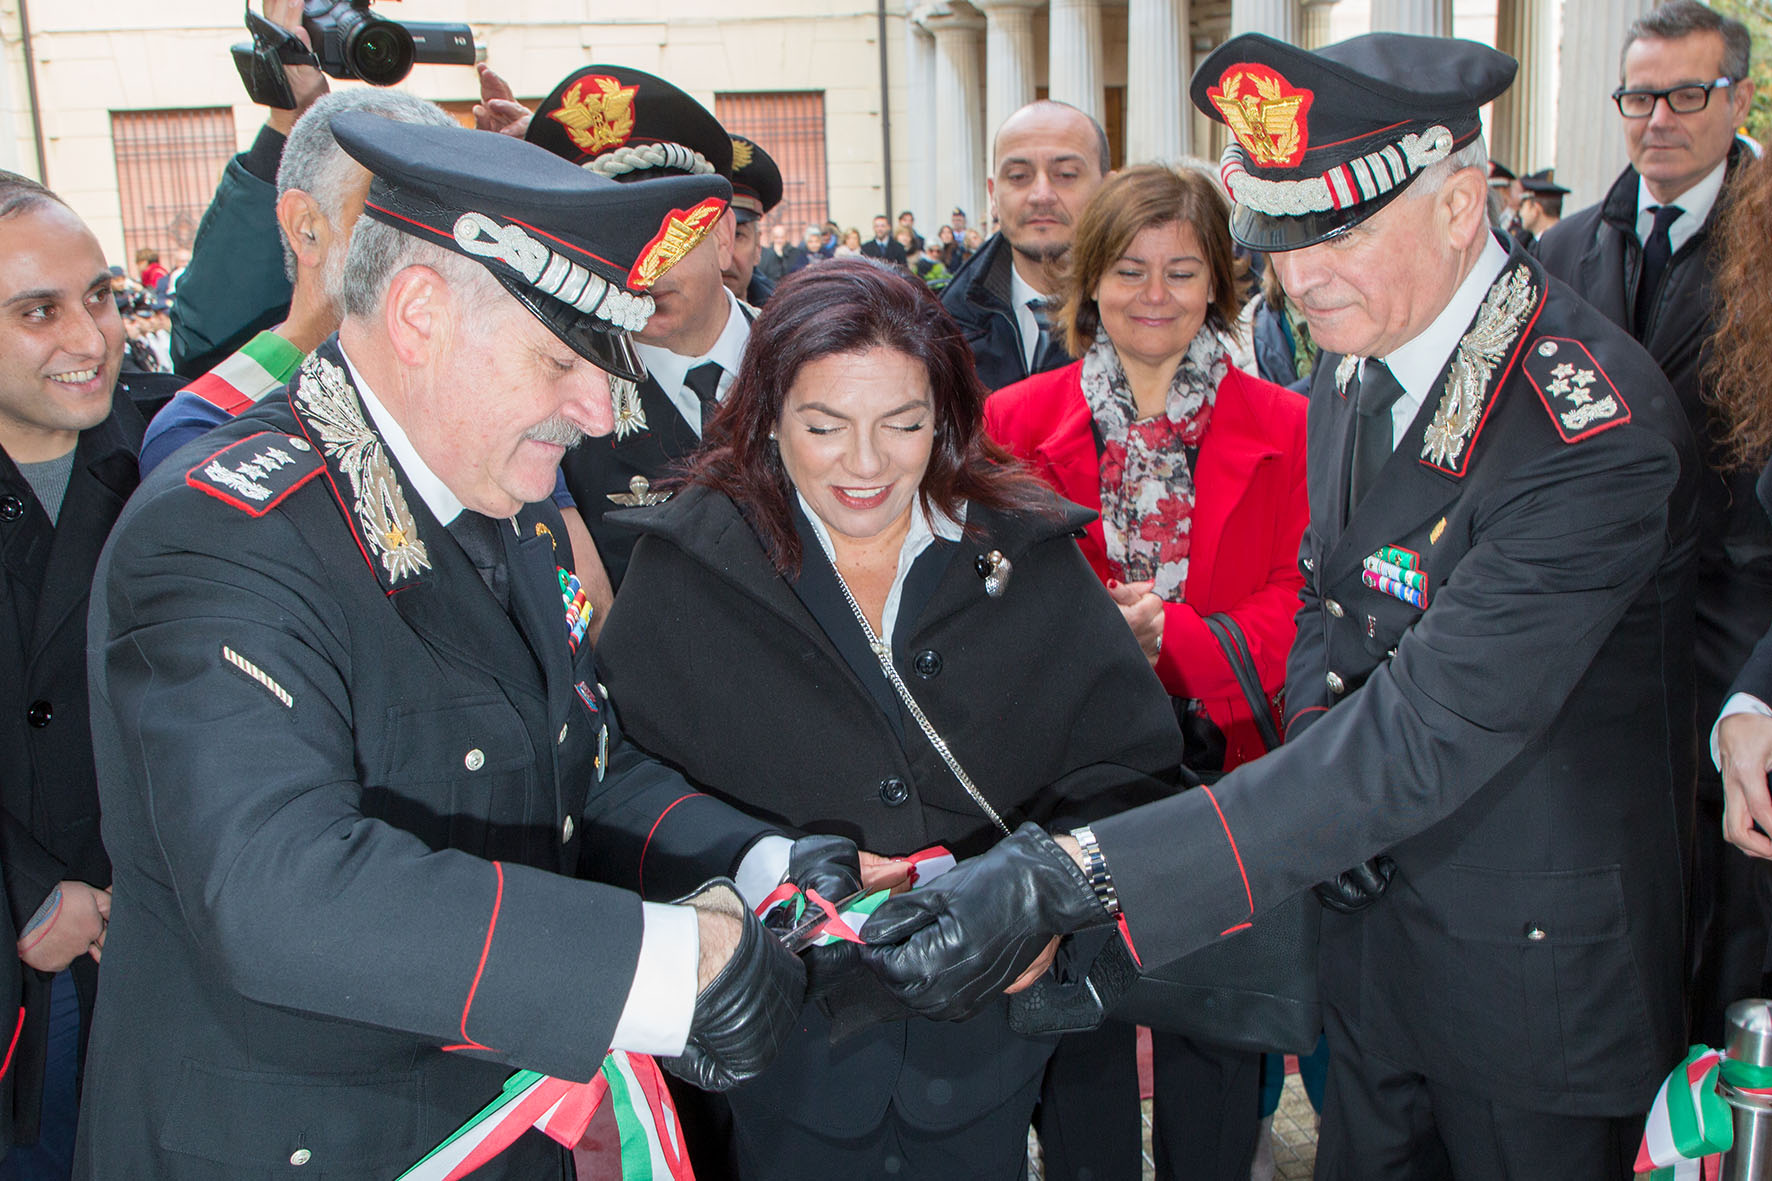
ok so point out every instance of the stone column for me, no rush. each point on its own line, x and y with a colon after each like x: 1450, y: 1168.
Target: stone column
x: 1523, y: 125
x: 1590, y: 136
x: 1277, y: 18
x: 959, y: 136
x: 1157, y: 59
x: 1426, y: 18
x: 1313, y: 23
x: 1008, y: 61
x: 919, y: 139
x: 1073, y: 66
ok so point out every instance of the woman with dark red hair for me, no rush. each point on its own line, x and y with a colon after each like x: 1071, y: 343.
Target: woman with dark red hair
x: 848, y: 543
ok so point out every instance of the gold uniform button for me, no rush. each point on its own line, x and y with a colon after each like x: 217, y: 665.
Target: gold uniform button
x: 566, y: 832
x: 475, y: 759
x: 1333, y: 608
x: 300, y: 1157
x: 1333, y: 680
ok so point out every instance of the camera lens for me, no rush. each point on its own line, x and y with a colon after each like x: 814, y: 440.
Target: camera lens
x: 379, y: 51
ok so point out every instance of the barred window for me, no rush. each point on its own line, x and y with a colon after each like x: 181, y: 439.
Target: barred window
x: 168, y: 164
x: 789, y: 125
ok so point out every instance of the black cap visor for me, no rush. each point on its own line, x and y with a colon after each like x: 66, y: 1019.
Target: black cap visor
x: 1271, y: 234
x: 607, y: 347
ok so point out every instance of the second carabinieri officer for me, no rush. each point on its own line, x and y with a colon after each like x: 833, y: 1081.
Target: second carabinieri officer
x: 354, y: 759
x: 1491, y: 684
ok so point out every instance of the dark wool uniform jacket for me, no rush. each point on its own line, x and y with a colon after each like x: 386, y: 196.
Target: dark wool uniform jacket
x: 345, y: 796
x: 49, y: 814
x: 1520, y: 744
x: 1042, y: 694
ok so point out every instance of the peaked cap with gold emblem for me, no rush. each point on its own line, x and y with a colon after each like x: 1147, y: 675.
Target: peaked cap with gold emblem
x: 630, y: 125
x: 1323, y: 140
x: 576, y: 249
x: 756, y: 181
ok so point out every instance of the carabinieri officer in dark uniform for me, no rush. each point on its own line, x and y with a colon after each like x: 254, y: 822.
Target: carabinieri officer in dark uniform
x: 633, y: 126
x: 354, y: 760
x: 1491, y: 684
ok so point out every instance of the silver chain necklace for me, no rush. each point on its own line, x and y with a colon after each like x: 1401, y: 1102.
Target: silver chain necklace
x: 883, y: 653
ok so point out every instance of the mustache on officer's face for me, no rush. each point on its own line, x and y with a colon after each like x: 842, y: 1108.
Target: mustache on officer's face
x: 558, y: 430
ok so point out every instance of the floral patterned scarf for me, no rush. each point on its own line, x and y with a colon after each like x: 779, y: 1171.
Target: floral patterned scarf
x: 1147, y: 489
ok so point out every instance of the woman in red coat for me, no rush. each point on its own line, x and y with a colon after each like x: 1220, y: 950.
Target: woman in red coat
x: 1197, y: 470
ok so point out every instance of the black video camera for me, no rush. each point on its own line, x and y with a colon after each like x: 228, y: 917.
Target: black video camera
x: 348, y: 42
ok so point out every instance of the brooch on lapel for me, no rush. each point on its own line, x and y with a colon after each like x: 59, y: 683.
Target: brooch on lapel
x: 639, y: 494
x: 1396, y: 572
x: 995, y: 569
x: 630, y: 416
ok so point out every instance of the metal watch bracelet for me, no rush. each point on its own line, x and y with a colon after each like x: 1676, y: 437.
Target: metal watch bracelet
x: 1096, y: 870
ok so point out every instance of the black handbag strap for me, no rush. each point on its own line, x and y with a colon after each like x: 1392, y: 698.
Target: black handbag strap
x: 1229, y: 634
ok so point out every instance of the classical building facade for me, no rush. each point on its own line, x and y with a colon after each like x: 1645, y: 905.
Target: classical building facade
x: 130, y: 109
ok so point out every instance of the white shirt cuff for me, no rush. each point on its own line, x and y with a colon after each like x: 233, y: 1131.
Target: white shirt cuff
x: 1738, y: 703
x: 764, y: 867
x: 661, y: 1000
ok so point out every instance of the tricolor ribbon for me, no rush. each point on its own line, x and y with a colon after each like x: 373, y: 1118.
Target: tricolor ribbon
x: 1691, y: 1125
x: 651, y: 1147
x: 844, y: 917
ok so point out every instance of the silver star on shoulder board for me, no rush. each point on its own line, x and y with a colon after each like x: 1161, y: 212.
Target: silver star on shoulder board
x: 639, y: 494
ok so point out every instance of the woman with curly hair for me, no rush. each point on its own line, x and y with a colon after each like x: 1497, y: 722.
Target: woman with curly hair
x: 1742, y: 353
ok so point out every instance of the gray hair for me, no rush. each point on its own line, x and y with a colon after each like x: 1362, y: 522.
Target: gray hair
x: 379, y: 252
x: 1683, y: 18
x: 315, y: 164
x: 1475, y: 154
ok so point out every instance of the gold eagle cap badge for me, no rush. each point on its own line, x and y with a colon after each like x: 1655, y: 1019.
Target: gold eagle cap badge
x: 741, y: 154
x: 681, y: 232
x: 599, y: 119
x: 1265, y: 112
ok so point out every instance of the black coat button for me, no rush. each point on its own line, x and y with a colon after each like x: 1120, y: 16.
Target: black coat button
x: 894, y: 791
x: 11, y: 508
x: 927, y: 662
x: 39, y: 714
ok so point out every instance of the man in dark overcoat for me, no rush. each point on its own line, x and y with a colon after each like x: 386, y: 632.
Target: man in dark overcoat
x: 1491, y: 681
x: 1651, y: 273
x: 69, y: 430
x: 356, y: 764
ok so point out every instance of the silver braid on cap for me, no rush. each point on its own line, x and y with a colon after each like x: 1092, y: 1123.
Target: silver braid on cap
x: 644, y: 156
x: 551, y: 272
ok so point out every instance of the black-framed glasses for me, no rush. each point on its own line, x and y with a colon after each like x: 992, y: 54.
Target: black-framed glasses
x: 1688, y: 99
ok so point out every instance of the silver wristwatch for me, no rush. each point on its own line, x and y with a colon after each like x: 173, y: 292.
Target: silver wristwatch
x: 1096, y: 870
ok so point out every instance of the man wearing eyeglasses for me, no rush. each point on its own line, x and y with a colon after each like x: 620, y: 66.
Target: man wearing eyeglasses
x: 1643, y: 257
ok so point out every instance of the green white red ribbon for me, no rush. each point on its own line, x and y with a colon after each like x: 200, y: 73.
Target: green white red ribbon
x: 842, y: 921
x: 1691, y: 1125
x: 652, y: 1146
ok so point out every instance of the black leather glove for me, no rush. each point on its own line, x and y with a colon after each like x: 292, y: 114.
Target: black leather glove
x: 747, y: 1011
x: 949, y: 949
x: 832, y: 867
x: 1357, y: 888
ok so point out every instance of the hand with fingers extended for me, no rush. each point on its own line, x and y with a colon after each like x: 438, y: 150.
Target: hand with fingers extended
x: 306, y: 83
x: 750, y: 992
x: 498, y: 109
x: 1744, y: 742
x: 950, y: 948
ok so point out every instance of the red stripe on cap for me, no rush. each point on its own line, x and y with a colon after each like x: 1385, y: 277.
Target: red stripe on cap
x: 498, y: 898
x: 450, y: 235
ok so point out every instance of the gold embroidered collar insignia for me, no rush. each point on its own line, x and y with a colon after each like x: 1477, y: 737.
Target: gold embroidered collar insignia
x: 384, y: 522
x: 630, y: 415
x: 1464, y: 400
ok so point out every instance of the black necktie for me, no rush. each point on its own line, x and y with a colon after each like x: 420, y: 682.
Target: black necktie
x: 1044, y: 340
x: 1656, y: 251
x: 1378, y: 392
x: 704, y: 382
x: 479, y: 538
